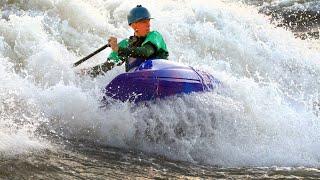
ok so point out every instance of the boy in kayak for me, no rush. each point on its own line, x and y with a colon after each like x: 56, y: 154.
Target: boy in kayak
x: 145, y: 44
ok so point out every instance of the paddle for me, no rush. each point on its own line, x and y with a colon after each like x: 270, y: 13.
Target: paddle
x: 90, y: 55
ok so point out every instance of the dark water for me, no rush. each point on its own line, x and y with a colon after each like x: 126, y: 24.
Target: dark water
x: 302, y: 17
x: 94, y: 162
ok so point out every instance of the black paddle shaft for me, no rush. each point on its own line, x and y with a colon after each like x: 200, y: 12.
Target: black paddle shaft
x: 90, y: 55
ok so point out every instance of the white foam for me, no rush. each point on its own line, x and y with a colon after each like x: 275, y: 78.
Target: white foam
x: 19, y: 115
x: 262, y: 115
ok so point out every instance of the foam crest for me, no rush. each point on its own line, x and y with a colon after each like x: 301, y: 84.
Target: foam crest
x: 81, y: 15
x: 50, y: 65
x: 23, y: 34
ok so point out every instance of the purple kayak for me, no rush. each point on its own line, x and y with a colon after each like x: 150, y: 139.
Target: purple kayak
x: 159, y: 78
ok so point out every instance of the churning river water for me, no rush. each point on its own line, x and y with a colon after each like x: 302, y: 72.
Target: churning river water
x: 262, y: 123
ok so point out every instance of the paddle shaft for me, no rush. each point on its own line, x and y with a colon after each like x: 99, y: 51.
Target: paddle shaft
x: 90, y: 55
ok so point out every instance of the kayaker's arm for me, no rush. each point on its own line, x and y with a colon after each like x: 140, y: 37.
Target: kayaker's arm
x: 144, y: 52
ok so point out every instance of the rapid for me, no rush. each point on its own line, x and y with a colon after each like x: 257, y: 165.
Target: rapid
x: 266, y: 114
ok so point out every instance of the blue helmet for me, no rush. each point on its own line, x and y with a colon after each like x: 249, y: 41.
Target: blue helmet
x: 138, y: 13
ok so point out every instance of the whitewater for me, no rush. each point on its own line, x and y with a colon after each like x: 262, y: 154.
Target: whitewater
x: 265, y: 114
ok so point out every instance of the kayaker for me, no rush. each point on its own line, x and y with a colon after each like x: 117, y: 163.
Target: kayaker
x: 145, y: 44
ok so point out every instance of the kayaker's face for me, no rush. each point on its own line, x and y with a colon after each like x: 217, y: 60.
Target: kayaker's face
x: 141, y: 28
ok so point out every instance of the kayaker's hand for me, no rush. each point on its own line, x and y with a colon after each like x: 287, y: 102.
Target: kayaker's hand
x: 82, y: 72
x: 113, y: 44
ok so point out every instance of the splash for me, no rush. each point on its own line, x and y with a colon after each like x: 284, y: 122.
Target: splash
x: 264, y: 115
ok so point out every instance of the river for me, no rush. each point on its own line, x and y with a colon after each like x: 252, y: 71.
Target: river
x: 262, y: 123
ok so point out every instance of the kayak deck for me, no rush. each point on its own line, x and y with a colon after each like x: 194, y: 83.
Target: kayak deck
x: 158, y: 79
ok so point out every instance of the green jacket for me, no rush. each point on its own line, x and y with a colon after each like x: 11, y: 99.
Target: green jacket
x: 150, y: 47
x: 154, y: 38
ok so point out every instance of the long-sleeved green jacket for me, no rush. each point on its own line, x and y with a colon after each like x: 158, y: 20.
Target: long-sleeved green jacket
x: 134, y: 51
